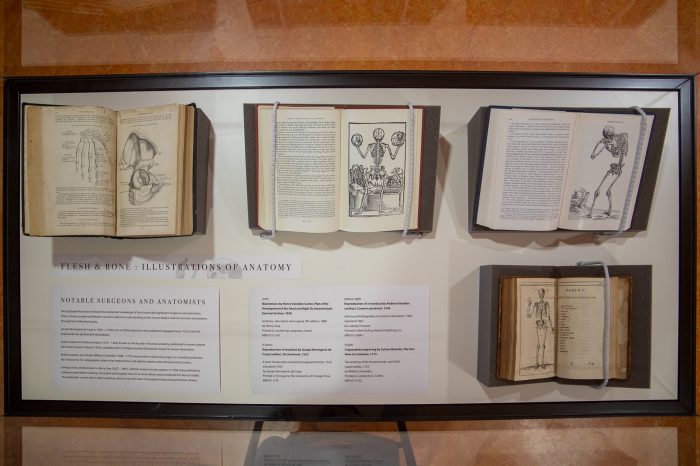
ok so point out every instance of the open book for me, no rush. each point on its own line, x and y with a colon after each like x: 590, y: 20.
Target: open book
x: 340, y: 167
x: 540, y: 322
x: 549, y: 169
x: 554, y: 328
x: 130, y: 173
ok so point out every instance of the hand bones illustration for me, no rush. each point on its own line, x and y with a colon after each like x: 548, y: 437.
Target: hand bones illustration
x: 139, y: 154
x: 91, y: 151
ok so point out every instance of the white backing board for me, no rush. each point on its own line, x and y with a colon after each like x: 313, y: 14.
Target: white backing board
x: 447, y: 260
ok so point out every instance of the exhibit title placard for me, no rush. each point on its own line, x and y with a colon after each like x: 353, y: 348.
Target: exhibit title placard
x: 285, y: 266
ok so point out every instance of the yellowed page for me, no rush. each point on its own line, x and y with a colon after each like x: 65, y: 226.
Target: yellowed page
x: 68, y: 171
x: 307, y: 168
x: 375, y: 167
x: 581, y: 318
x: 147, y: 144
x: 180, y: 157
x: 507, y: 327
x: 187, y: 222
x: 620, y: 295
x: 535, y: 355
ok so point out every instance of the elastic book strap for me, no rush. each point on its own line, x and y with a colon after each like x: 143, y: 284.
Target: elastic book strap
x: 606, y: 318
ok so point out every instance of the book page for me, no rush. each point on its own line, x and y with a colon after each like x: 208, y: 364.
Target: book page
x: 69, y: 178
x: 307, y: 167
x: 600, y: 171
x: 487, y: 192
x: 188, y: 193
x: 149, y: 144
x: 581, y: 318
x: 527, y: 161
x: 507, y: 327
x: 375, y: 167
x: 535, y: 355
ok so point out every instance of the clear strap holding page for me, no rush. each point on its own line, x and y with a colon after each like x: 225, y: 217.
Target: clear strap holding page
x: 409, y: 177
x: 606, y: 318
x: 633, y: 177
x: 270, y: 234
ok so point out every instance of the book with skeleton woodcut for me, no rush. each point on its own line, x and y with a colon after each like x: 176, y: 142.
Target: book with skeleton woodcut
x: 548, y: 169
x: 93, y: 171
x: 548, y: 322
x: 341, y: 167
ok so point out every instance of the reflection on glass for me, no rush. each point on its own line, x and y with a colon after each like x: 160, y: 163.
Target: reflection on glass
x: 489, y: 445
x: 274, y: 32
x: 69, y: 446
x: 527, y: 447
x: 148, y: 16
x: 342, y: 448
x: 623, y: 13
x: 295, y: 13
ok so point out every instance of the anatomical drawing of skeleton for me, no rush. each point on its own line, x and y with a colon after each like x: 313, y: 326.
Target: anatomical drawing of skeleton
x: 616, y: 145
x: 376, y: 169
x: 91, y: 155
x: 138, y: 155
x: 537, y: 327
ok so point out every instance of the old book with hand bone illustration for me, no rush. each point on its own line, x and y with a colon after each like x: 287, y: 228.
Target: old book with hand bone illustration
x: 93, y: 171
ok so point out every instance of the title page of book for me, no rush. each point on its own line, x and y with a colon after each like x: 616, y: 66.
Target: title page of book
x: 581, y: 318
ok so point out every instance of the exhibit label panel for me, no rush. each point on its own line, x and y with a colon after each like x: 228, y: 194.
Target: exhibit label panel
x: 339, y: 340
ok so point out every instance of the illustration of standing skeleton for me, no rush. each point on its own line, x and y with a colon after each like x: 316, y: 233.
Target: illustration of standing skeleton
x: 543, y: 322
x: 617, y: 145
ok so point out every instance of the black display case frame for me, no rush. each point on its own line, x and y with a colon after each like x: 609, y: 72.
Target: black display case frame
x: 682, y: 85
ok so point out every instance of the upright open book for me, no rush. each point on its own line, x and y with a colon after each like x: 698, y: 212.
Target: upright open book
x: 545, y: 322
x: 341, y: 167
x: 93, y: 171
x: 537, y: 169
x: 554, y: 327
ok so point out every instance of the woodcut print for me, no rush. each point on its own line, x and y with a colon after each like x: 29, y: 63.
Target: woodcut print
x: 376, y: 168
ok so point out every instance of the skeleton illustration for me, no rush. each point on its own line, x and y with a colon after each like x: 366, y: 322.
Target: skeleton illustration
x: 358, y: 183
x: 543, y: 322
x: 90, y: 153
x: 378, y: 149
x: 617, y: 145
x: 139, y: 154
x: 577, y: 203
x: 373, y: 180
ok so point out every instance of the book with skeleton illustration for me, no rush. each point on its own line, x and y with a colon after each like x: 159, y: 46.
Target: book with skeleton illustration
x: 341, y: 167
x: 548, y: 169
x: 93, y: 171
x: 545, y: 322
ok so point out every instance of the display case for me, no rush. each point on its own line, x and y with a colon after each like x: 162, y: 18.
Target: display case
x: 99, y: 363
